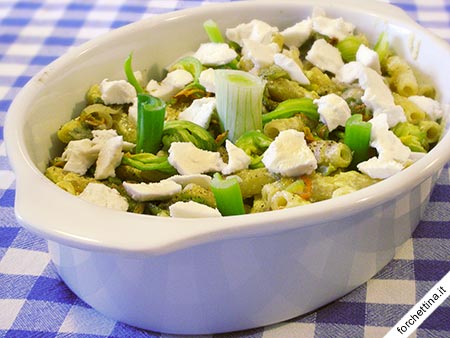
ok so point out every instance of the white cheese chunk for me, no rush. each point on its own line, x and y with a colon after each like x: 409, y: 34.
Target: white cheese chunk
x: 170, y: 85
x: 387, y: 144
x: 333, y: 28
x: 192, y: 209
x: 297, y: 34
x: 255, y: 30
x: 378, y: 97
x: 428, y: 105
x: 368, y: 57
x: 289, y: 155
x: 104, y: 196
x: 198, y: 179
x: 215, y: 54
x: 200, y: 111
x: 117, y: 92
x: 260, y: 54
x: 377, y: 168
x: 291, y: 67
x: 333, y: 109
x: 325, y: 56
x: 188, y: 159
x: 132, y: 110
x: 143, y: 192
x: 79, y: 156
x: 109, y: 158
x: 350, y: 72
x: 237, y: 159
x: 207, y: 80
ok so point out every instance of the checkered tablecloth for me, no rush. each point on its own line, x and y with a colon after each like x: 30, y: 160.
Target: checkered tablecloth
x: 34, y: 302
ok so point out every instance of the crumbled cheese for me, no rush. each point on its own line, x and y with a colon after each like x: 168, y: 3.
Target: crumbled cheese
x: 378, y: 97
x: 325, y: 56
x: 117, y: 92
x: 379, y: 169
x: 215, y: 54
x: 132, y: 110
x: 255, y: 30
x: 200, y: 111
x: 431, y: 107
x: 260, y: 54
x: 198, y: 179
x: 387, y: 144
x: 79, y: 155
x: 237, y: 159
x: 109, y: 158
x: 368, y: 57
x: 170, y: 85
x: 101, y: 195
x: 297, y: 34
x: 207, y: 80
x: 350, y: 72
x: 333, y: 109
x: 333, y: 28
x: 291, y: 67
x: 188, y: 159
x: 143, y: 192
x: 192, y: 209
x: 289, y: 155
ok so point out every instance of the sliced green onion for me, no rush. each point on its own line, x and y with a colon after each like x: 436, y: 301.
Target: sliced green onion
x: 187, y: 131
x: 190, y: 64
x: 130, y: 75
x: 357, y: 138
x: 150, y: 123
x: 148, y: 161
x: 239, y: 101
x: 227, y: 193
x: 349, y: 46
x: 292, y: 107
x: 213, y: 31
x: 382, y: 46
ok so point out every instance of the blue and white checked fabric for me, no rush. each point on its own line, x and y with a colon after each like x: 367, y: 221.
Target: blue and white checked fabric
x: 34, y: 302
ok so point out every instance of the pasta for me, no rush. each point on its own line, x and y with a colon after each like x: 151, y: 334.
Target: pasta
x: 329, y: 117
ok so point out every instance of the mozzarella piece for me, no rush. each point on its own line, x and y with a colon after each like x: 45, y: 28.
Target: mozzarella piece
x: 291, y: 67
x: 117, y: 92
x: 428, y: 105
x: 101, y: 195
x: 207, y: 80
x: 378, y: 97
x: 188, y: 159
x: 143, y: 192
x: 170, y: 85
x: 333, y: 28
x: 255, y: 30
x: 215, y: 54
x: 289, y: 155
x: 333, y: 109
x: 237, y: 159
x: 325, y: 56
x: 368, y: 57
x: 297, y: 34
x: 377, y: 168
x: 192, y: 209
x: 198, y: 179
x: 350, y: 72
x: 200, y: 111
x: 79, y: 156
x: 132, y: 110
x: 109, y: 158
x: 260, y: 54
x: 387, y: 144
